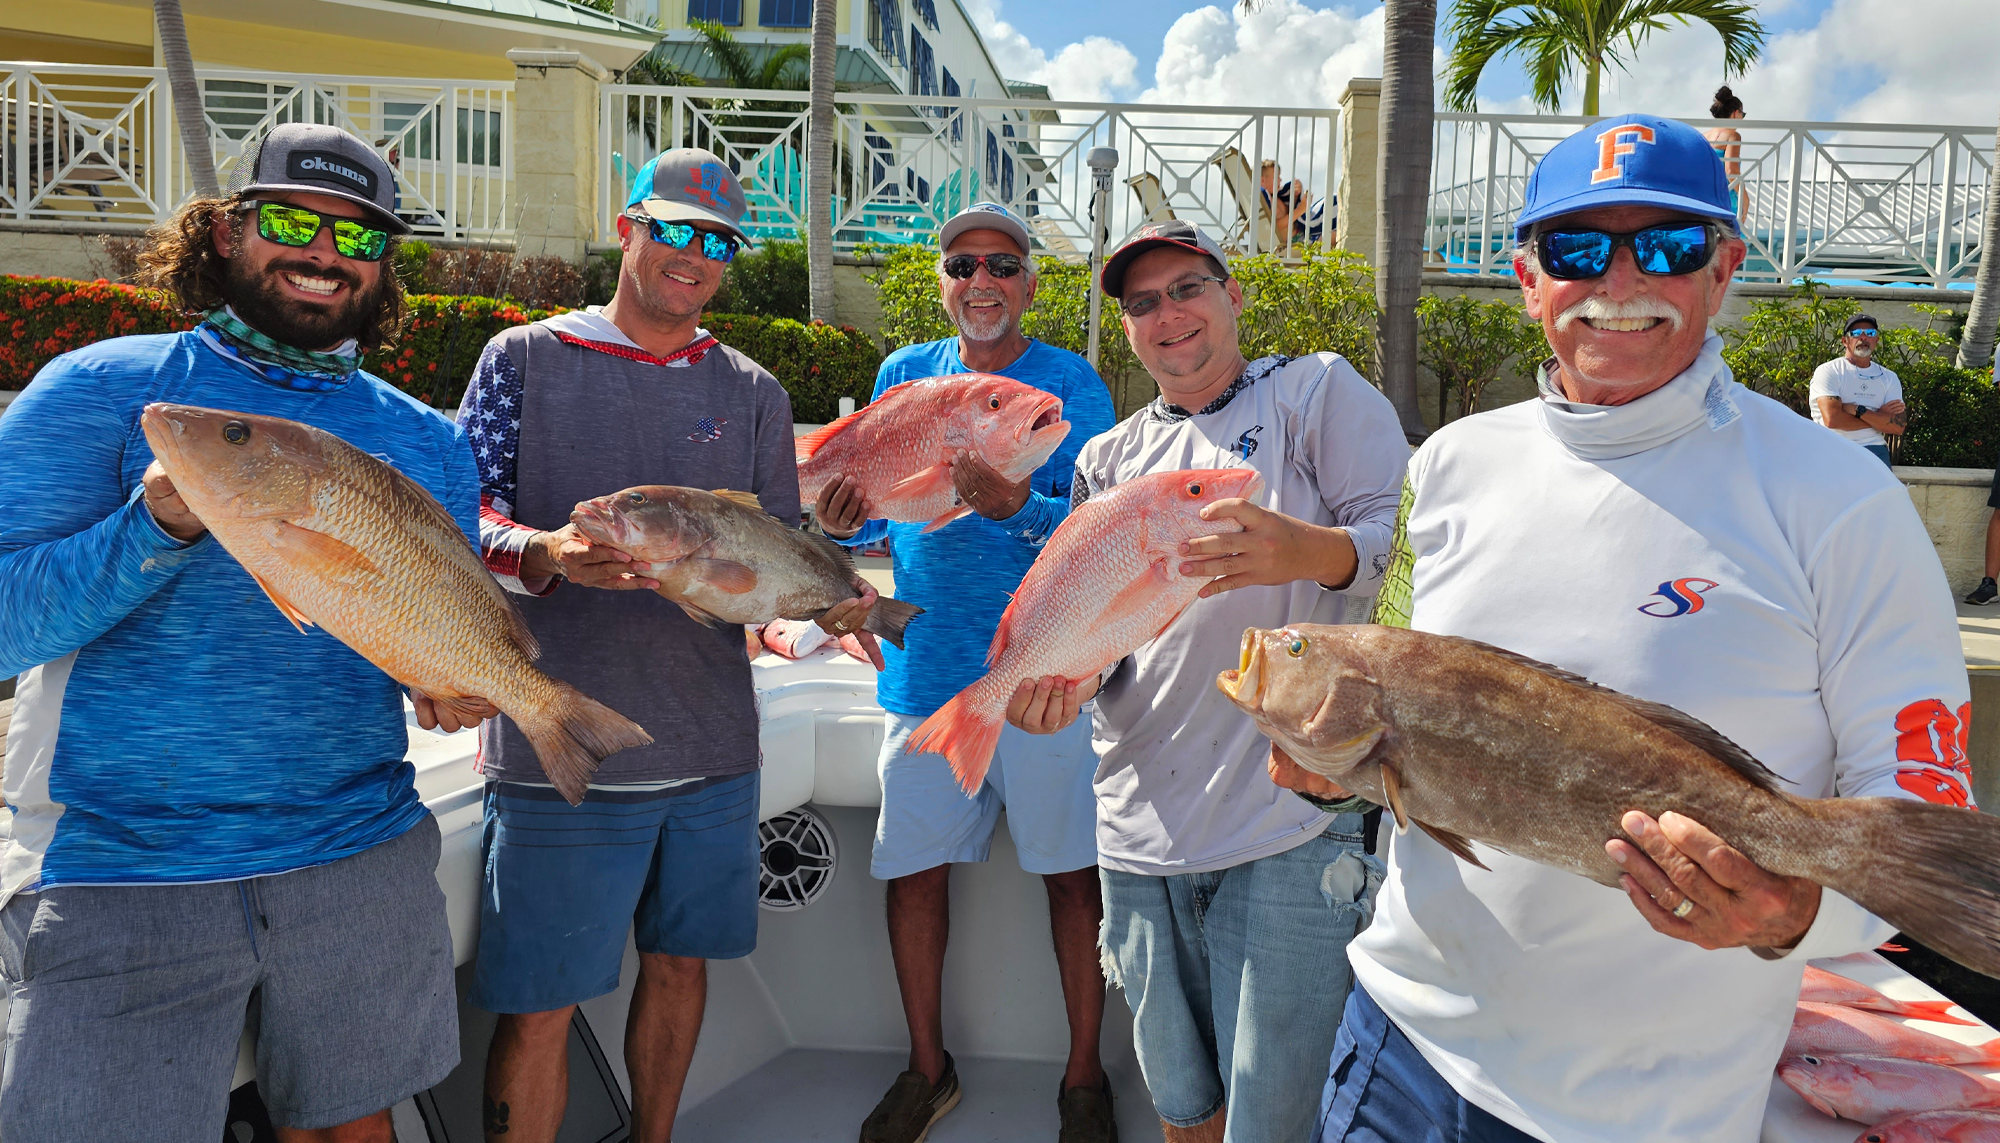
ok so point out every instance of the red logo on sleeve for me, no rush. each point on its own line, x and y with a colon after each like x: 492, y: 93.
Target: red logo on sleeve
x: 1930, y: 735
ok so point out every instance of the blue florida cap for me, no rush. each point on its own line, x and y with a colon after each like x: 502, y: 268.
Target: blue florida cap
x: 1632, y: 160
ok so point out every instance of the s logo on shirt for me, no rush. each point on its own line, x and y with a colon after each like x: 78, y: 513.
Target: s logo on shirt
x: 707, y: 429
x: 1678, y: 597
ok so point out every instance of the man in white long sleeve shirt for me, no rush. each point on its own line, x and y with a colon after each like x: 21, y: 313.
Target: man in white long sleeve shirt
x: 1654, y: 526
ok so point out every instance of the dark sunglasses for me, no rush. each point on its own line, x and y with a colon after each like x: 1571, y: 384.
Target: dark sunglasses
x: 289, y: 225
x: 1182, y: 292
x: 715, y: 247
x: 1669, y: 249
x: 963, y: 266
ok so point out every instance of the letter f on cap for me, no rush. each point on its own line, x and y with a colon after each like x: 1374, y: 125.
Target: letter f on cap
x: 1611, y: 145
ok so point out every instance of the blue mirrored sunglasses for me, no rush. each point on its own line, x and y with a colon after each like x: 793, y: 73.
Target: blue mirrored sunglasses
x: 1667, y: 249
x: 716, y: 247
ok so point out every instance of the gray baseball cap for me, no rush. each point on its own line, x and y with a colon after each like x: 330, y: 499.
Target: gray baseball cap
x: 319, y: 159
x: 689, y: 184
x: 1173, y: 232
x: 984, y: 216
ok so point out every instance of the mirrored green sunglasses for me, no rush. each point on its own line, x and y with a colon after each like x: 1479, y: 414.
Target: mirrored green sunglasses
x: 290, y: 225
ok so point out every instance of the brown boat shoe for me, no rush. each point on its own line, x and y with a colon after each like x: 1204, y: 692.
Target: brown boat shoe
x: 912, y: 1106
x: 1086, y: 1115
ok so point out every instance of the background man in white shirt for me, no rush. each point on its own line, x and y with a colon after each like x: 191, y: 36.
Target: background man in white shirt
x: 1857, y: 396
x: 1653, y: 526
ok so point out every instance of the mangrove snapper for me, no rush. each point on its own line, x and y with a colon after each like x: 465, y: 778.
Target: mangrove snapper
x: 1825, y: 987
x: 340, y: 539
x: 1472, y: 743
x: 1870, y: 1089
x: 900, y: 446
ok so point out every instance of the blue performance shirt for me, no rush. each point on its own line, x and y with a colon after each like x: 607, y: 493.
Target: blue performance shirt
x: 962, y: 574
x: 170, y: 725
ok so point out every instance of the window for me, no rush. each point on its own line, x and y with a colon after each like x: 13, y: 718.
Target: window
x: 920, y: 187
x: 927, y: 12
x: 410, y: 131
x: 992, y: 159
x: 785, y: 13
x: 957, y: 115
x: 885, y: 29
x: 478, y: 137
x: 923, y: 65
x: 728, y: 12
x: 879, y: 158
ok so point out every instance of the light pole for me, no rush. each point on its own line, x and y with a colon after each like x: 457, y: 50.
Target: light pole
x: 1102, y: 161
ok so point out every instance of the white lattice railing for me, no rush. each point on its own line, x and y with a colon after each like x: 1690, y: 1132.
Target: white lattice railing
x: 908, y: 162
x: 97, y: 146
x: 1867, y: 201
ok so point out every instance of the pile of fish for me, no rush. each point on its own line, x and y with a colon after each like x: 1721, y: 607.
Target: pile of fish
x: 1107, y: 582
x: 1456, y: 737
x: 340, y: 539
x: 899, y: 447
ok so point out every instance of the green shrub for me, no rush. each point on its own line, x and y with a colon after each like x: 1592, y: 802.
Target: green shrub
x: 43, y: 317
x: 1326, y: 304
x: 1467, y: 344
x: 771, y: 280
x: 413, y: 258
x: 600, y: 277
x: 818, y: 364
x: 434, y: 358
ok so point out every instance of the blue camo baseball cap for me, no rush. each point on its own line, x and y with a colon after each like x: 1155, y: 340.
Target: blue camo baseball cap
x: 1630, y: 160
x: 689, y: 184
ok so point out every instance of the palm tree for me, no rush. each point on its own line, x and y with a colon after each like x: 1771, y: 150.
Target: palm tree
x: 775, y: 73
x: 1556, y: 37
x: 1975, y: 349
x: 187, y: 97
x: 819, y: 165
x: 1404, y: 178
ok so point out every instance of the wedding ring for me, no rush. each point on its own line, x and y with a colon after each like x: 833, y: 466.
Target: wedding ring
x: 1684, y: 908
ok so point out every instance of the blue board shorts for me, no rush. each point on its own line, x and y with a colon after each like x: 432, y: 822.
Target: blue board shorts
x: 676, y: 868
x: 127, y: 1001
x: 1043, y: 780
x: 1380, y: 1089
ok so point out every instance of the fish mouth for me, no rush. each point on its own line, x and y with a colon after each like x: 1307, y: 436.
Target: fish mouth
x: 1046, y: 415
x: 596, y: 520
x: 1245, y: 684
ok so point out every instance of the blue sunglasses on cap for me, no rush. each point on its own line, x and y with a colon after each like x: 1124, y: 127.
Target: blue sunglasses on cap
x: 1668, y: 249
x: 716, y: 247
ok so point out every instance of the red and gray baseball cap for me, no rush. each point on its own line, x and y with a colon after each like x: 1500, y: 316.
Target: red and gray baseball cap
x: 689, y: 184
x: 1175, y: 232
x: 321, y: 159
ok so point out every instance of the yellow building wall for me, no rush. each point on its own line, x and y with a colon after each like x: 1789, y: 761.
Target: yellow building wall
x: 89, y: 26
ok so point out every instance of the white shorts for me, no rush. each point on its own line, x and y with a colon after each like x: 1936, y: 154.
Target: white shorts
x: 1043, y: 780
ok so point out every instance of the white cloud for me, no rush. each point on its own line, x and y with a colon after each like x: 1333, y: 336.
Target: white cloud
x: 1093, y: 69
x: 1285, y: 54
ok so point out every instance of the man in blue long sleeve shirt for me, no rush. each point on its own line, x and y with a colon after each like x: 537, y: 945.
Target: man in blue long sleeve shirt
x: 203, y: 804
x: 962, y: 575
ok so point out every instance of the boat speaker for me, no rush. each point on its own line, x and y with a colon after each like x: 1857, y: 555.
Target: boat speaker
x: 797, y: 854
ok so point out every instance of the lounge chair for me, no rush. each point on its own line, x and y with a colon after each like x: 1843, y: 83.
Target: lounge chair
x: 1243, y: 188
x: 1152, y: 198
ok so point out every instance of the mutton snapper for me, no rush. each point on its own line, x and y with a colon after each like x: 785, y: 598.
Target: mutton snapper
x: 899, y: 447
x: 1106, y: 584
x: 725, y: 560
x: 1472, y: 743
x: 340, y: 539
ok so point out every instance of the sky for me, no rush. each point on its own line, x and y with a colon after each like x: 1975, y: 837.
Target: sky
x: 1877, y: 61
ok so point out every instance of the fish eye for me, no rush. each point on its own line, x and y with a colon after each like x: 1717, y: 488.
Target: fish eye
x: 236, y: 432
x: 1296, y: 647
x: 993, y: 401
x: 1194, y: 488
x: 635, y: 498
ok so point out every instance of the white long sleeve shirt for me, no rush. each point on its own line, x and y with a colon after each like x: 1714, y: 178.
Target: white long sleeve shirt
x: 1702, y: 547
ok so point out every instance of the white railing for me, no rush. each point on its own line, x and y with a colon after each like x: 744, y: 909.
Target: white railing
x: 1854, y: 201
x: 908, y: 162
x: 96, y: 146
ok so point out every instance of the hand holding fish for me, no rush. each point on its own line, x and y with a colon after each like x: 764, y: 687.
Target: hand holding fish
x: 1691, y: 885
x: 450, y: 716
x: 1272, y: 548
x: 568, y: 553
x: 1050, y: 703
x: 1295, y: 777
x: 169, y: 511
x: 841, y: 508
x: 847, y: 616
x: 985, y: 489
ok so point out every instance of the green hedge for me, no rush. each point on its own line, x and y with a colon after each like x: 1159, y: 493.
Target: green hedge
x: 43, y: 317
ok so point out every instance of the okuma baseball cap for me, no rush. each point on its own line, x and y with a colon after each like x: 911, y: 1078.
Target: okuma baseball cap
x: 690, y: 185
x: 1173, y: 232
x: 984, y: 216
x: 321, y: 159
x: 1630, y: 160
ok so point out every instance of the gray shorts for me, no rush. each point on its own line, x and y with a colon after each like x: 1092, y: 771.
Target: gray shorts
x: 127, y: 1002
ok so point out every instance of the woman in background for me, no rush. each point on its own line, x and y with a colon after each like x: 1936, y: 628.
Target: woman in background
x: 1728, y: 141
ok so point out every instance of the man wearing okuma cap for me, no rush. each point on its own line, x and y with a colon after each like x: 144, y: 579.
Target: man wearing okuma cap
x: 1657, y: 528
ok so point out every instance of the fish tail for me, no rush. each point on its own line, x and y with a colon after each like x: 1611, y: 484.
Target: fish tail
x: 1936, y: 1011
x: 573, y: 733
x: 1931, y: 870
x: 888, y: 618
x: 964, y: 730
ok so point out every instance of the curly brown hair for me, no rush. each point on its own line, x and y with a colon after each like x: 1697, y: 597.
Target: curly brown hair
x: 180, y: 258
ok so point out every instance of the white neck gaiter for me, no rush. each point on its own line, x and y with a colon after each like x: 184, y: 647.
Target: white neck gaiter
x: 1699, y: 395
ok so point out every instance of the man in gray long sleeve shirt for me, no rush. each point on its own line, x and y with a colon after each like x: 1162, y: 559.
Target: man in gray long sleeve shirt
x: 1228, y: 902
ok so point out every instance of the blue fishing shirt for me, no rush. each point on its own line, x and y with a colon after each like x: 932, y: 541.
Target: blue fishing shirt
x: 963, y: 574
x: 170, y: 726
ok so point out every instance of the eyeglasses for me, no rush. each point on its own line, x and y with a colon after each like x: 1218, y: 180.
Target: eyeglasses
x: 1863, y: 331
x: 715, y: 247
x: 1669, y: 249
x: 1182, y: 292
x: 963, y: 266
x: 289, y: 225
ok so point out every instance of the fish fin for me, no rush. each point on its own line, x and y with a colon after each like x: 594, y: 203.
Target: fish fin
x: 804, y: 447
x: 335, y: 554
x: 1002, y: 633
x: 888, y: 618
x: 573, y: 734
x: 965, y: 735
x: 726, y: 575
x: 843, y: 560
x: 1936, y: 1011
x: 1932, y: 871
x: 1457, y: 843
x: 923, y: 482
x: 461, y: 706
x: 1392, y: 788
x: 740, y: 499
x: 1137, y: 595
x: 1695, y: 731
x: 951, y: 517
x: 284, y: 606
x: 700, y: 616
x: 517, y: 630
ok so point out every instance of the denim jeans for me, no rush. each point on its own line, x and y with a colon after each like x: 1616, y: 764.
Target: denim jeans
x: 1881, y: 453
x: 1380, y: 1089
x: 1237, y: 977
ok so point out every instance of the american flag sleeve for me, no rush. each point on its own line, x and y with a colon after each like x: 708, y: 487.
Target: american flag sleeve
x: 491, y: 416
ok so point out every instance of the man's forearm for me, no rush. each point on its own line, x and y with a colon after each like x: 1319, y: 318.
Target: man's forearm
x: 1889, y: 423
x: 1338, y: 562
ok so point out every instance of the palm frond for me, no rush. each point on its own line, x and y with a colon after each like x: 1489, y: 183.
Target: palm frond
x: 773, y: 74
x: 729, y: 56
x: 1554, y: 39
